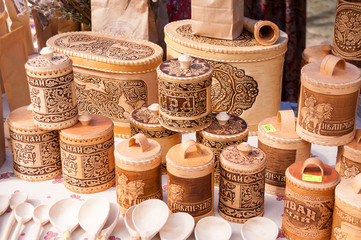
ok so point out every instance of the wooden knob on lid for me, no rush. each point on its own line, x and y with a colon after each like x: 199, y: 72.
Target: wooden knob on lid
x: 222, y: 118
x: 185, y: 61
x: 139, y: 140
x: 154, y: 108
x: 326, y: 49
x: 313, y: 161
x: 47, y: 52
x: 85, y: 119
x: 244, y: 148
x: 330, y: 63
x: 356, y: 184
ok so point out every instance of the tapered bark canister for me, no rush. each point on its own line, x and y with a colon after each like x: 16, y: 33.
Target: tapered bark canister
x: 87, y: 154
x: 113, y: 74
x: 190, y: 168
x: 246, y: 75
x: 225, y: 130
x: 52, y: 90
x: 36, y: 152
x: 242, y: 182
x: 138, y: 171
x: 277, y: 137
x: 328, y: 101
x: 309, y: 200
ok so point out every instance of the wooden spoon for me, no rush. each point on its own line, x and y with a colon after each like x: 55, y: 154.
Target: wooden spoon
x: 40, y: 217
x: 23, y: 214
x: 179, y: 226
x: 4, y: 204
x: 64, y: 216
x: 128, y: 221
x: 15, y: 199
x: 111, y: 221
x: 93, y: 214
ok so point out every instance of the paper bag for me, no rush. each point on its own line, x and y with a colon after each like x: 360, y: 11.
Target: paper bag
x: 13, y: 56
x: 131, y: 18
x: 217, y: 18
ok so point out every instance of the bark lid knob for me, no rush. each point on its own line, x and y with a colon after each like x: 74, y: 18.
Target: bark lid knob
x: 222, y: 118
x: 185, y: 61
x: 244, y: 148
x: 47, y: 52
x: 326, y: 49
x: 154, y: 108
x: 85, y: 119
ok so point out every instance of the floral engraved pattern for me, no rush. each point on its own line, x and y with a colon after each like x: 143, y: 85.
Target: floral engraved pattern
x: 40, y: 61
x: 144, y: 115
x: 234, y: 155
x: 95, y: 165
x: 173, y: 68
x: 25, y: 153
x: 157, y: 133
x: 235, y: 125
x: 50, y: 152
x: 339, y: 235
x: 35, y: 99
x: 69, y: 164
x: 59, y: 99
x: 128, y: 192
x: 349, y: 169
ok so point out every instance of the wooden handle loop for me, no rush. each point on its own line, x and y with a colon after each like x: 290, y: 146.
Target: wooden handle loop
x: 330, y: 63
x: 187, y: 145
x: 356, y: 184
x: 358, y: 136
x: 313, y: 161
x: 141, y: 140
x: 287, y: 120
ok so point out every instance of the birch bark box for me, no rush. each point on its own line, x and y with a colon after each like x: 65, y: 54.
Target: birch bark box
x: 145, y: 120
x: 277, y: 137
x: 190, y: 167
x: 348, y: 163
x: 113, y: 74
x: 138, y: 171
x: 242, y: 183
x: 52, y: 90
x: 36, y: 152
x: 87, y: 154
x: 315, y: 53
x: 309, y: 200
x: 328, y: 101
x: 225, y: 130
x: 246, y: 75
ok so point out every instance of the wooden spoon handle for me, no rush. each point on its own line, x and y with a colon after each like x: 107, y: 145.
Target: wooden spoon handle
x: 36, y: 231
x: 9, y: 226
x: 67, y: 235
x: 16, y: 233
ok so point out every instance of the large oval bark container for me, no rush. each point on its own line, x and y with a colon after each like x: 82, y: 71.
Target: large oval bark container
x: 113, y: 74
x: 247, y: 76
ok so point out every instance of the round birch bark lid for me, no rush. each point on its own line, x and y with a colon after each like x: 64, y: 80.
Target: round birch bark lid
x: 48, y: 61
x: 146, y: 116
x: 22, y: 118
x: 352, y: 150
x: 316, y: 53
x: 349, y: 191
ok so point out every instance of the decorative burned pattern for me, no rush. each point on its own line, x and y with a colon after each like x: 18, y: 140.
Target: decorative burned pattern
x: 151, y: 133
x: 128, y: 191
x: 232, y: 154
x: 36, y: 171
x: 111, y: 98
x: 105, y: 47
x: 100, y: 181
x: 349, y: 168
x: 184, y: 124
x: 172, y: 68
x: 232, y: 90
x: 51, y: 82
x: 176, y: 86
x: 87, y: 149
x: 40, y: 61
x: 69, y: 163
x: 246, y: 39
x: 235, y: 125
x: 346, y: 222
x: 56, y: 118
x: 145, y: 116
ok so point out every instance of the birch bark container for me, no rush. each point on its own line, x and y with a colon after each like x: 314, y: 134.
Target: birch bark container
x: 87, y: 154
x: 36, y: 152
x: 185, y: 94
x: 225, y: 130
x: 113, y: 74
x: 190, y: 168
x: 348, y: 163
x: 277, y: 137
x: 242, y: 182
x: 138, y: 171
x: 246, y: 75
x: 52, y: 90
x: 309, y: 200
x: 328, y: 102
x: 145, y: 120
x: 315, y: 53
x: 346, y: 223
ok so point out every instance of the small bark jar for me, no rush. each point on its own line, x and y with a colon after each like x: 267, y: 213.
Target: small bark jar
x: 185, y: 94
x: 52, y: 90
x: 225, y: 130
x: 328, y: 101
x: 87, y: 154
x: 190, y: 168
x: 36, y: 152
x: 310, y: 196
x: 241, y: 186
x: 138, y: 174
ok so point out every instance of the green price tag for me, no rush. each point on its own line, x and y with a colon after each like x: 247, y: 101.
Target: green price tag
x: 269, y: 128
x: 311, y: 178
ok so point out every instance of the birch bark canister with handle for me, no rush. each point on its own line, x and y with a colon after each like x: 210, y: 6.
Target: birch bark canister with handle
x: 87, y: 154
x: 185, y: 94
x: 242, y: 182
x: 309, y: 200
x: 190, y: 168
x: 277, y: 137
x: 225, y: 130
x: 346, y: 224
x: 52, y: 90
x: 328, y: 101
x: 138, y: 171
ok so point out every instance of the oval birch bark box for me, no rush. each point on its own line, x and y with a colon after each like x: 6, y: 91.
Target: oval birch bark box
x: 145, y: 120
x: 247, y: 76
x: 190, y: 168
x: 346, y: 222
x: 348, y: 163
x: 277, y: 137
x: 328, y: 101
x: 36, y: 152
x: 138, y: 171
x: 225, y: 130
x: 52, y: 90
x: 113, y: 74
x: 242, y: 182
x: 309, y: 200
x: 87, y: 154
